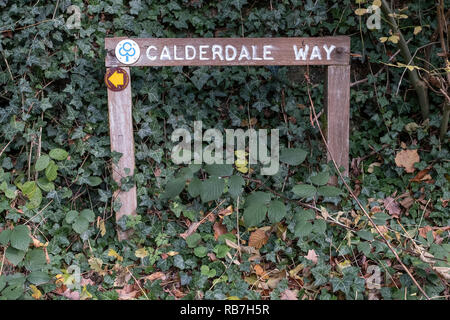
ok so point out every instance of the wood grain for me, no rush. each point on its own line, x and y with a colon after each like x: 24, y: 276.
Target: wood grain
x: 281, y: 51
x: 338, y: 115
x: 122, y: 140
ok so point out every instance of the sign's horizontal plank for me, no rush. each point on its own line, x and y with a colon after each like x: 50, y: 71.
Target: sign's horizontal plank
x: 232, y: 51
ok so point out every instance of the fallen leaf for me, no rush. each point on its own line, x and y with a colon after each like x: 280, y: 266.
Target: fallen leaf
x: 72, y: 295
x: 141, y: 253
x: 96, y: 264
x: 443, y: 271
x: 392, y: 207
x: 101, y: 226
x: 192, y: 228
x: 113, y: 253
x: 417, y: 30
x: 371, y: 167
x: 219, y: 229
x: 260, y: 272
x: 36, y: 293
x: 155, y: 276
x: 359, y: 12
x: 407, y: 159
x: 293, y: 273
x: 226, y: 212
x: 289, y: 295
x: 422, y: 175
x: 407, y: 202
x: 127, y: 293
x: 258, y: 238
x: 311, y: 256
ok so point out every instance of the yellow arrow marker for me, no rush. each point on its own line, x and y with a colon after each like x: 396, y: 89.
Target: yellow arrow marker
x: 116, y: 79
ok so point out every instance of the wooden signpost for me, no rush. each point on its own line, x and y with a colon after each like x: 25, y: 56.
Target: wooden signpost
x: 123, y: 53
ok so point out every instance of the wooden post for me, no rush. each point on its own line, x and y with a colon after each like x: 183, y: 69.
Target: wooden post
x: 122, y: 52
x: 122, y: 140
x: 338, y: 114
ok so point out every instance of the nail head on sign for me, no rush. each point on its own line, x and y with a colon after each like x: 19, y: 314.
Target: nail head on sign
x: 127, y: 51
x: 116, y: 79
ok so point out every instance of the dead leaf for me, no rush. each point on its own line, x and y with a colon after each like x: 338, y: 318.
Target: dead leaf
x: 293, y: 273
x: 127, y: 293
x: 251, y: 123
x: 141, y: 253
x: 192, y: 228
x: 122, y: 276
x: 258, y: 238
x: 407, y: 202
x: 226, y: 212
x: 443, y: 271
x: 72, y: 295
x: 392, y: 207
x: 36, y: 293
x: 422, y: 175
x: 260, y: 272
x: 155, y: 276
x: 407, y: 159
x: 113, y: 253
x: 219, y: 229
x: 311, y: 256
x: 289, y: 295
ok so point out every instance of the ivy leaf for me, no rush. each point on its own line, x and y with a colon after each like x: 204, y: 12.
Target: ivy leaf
x: 20, y: 238
x: 254, y: 214
x: 235, y: 184
x: 294, y: 156
x: 341, y: 284
x: 321, y: 178
x: 42, y: 162
x: 329, y: 191
x: 277, y: 211
x: 304, y: 190
x: 200, y: 78
x: 58, y: 154
x: 212, y: 189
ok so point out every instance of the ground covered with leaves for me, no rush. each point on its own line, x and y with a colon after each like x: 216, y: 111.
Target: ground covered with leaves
x: 219, y: 232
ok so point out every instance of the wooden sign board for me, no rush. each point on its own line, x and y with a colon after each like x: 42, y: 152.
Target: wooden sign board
x: 123, y: 53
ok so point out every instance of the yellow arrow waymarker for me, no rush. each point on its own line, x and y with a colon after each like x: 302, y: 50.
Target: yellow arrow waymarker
x: 116, y: 79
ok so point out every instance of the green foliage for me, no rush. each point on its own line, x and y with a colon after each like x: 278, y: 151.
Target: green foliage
x: 55, y: 158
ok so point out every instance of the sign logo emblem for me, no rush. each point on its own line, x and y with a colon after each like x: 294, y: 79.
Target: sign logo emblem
x: 127, y: 51
x: 116, y: 79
